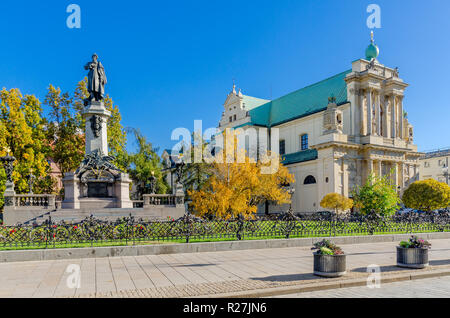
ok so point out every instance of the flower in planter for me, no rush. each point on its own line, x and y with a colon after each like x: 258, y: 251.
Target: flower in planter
x: 415, y: 242
x: 326, y: 247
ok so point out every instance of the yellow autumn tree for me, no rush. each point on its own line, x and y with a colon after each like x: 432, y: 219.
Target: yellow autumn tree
x: 337, y: 202
x: 237, y: 187
x: 427, y: 195
x: 22, y: 131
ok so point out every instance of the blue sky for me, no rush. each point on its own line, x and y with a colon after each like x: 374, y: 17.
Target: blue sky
x: 171, y: 62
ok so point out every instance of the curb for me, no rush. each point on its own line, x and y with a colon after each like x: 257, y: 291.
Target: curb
x: 358, y: 282
x: 157, y: 249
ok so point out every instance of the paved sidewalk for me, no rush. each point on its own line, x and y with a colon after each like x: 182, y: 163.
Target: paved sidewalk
x: 198, y: 274
x: 423, y: 288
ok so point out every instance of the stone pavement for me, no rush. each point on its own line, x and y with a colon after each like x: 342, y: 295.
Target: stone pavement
x: 438, y: 287
x: 199, y: 274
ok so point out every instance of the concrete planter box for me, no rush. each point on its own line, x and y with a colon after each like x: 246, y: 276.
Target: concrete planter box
x: 412, y: 257
x: 329, y: 265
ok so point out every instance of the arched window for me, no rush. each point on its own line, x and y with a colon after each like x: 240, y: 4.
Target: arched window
x: 304, y: 142
x: 310, y: 180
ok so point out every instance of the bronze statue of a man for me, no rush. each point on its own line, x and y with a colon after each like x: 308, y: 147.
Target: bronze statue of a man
x: 96, y: 80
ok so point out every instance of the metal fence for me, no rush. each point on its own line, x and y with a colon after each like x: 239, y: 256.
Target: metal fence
x: 129, y: 231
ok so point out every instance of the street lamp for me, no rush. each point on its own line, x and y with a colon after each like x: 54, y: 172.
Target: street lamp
x: 152, y: 183
x: 31, y: 178
x: 8, y: 165
x: 291, y: 193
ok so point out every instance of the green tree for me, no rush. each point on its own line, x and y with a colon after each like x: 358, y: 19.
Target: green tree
x: 378, y: 194
x: 196, y: 174
x: 64, y: 133
x: 427, y: 195
x: 143, y: 163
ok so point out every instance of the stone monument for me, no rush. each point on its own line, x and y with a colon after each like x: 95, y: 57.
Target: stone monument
x: 97, y: 183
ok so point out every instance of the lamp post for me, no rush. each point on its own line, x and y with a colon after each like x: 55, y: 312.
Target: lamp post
x: 8, y: 165
x: 291, y: 193
x: 152, y: 183
x: 31, y: 178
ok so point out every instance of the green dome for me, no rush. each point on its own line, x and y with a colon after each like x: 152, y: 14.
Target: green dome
x: 372, y: 52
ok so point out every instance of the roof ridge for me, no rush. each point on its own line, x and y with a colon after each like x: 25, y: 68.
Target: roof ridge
x: 316, y: 83
x: 255, y: 97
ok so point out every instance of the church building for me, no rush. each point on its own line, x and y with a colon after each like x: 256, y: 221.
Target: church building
x: 336, y: 132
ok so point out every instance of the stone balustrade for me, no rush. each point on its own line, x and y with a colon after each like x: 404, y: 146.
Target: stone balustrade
x: 163, y: 200
x: 31, y: 201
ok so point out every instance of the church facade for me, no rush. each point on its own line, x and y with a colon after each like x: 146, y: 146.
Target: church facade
x: 334, y: 133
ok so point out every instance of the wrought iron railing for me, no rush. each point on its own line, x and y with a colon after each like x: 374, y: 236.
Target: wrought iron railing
x: 189, y: 229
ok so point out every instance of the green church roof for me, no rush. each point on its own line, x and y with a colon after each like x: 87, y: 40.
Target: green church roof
x: 301, y: 156
x: 251, y: 102
x: 303, y: 102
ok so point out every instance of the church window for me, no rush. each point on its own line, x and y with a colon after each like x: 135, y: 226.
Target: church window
x: 282, y: 147
x: 234, y: 117
x: 310, y: 180
x: 304, y: 142
x: 231, y: 119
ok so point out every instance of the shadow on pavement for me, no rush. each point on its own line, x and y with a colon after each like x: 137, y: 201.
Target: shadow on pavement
x: 287, y: 278
x: 440, y: 262
x: 194, y: 265
x: 384, y: 269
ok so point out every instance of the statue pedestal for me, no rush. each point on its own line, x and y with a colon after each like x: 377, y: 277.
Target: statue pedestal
x: 96, y: 117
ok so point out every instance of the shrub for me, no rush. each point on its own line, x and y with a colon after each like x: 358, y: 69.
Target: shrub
x: 427, y: 195
x: 377, y: 195
x: 337, y: 202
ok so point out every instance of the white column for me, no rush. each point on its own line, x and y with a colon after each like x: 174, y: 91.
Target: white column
x: 395, y: 166
x: 400, y: 118
x: 369, y: 169
x: 345, y: 177
x: 387, y: 117
x: 401, y: 174
x: 369, y: 112
x: 378, y: 113
x: 380, y: 169
x: 394, y: 116
x: 353, y: 98
x: 361, y: 114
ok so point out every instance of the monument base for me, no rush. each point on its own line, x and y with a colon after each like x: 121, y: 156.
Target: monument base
x: 90, y: 195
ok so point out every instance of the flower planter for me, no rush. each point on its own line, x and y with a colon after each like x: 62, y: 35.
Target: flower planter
x: 412, y: 257
x: 329, y: 265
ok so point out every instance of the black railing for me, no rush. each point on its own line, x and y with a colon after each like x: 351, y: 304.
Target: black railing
x: 189, y: 228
